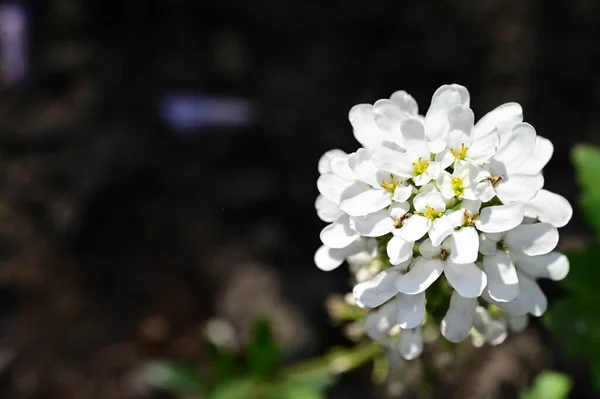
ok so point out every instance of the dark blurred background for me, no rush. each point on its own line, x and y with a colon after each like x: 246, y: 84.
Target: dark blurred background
x: 158, y: 162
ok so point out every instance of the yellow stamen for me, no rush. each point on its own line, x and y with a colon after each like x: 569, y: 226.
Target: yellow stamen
x: 458, y: 186
x: 420, y: 166
x: 470, y: 219
x: 431, y: 213
x: 460, y: 154
x: 391, y: 184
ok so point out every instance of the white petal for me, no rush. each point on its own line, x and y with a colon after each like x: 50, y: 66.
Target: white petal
x: 496, y: 219
x: 411, y: 343
x: 551, y: 208
x: 388, y: 116
x: 471, y: 206
x: 405, y: 101
x: 517, y: 323
x: 399, y: 250
x: 532, y: 239
x: 444, y: 182
x: 440, y: 229
x: 410, y: 310
x: 502, y: 118
x: 368, y: 201
x: 517, y: 307
x: 520, y: 188
x: 436, y: 201
x: 402, y: 193
x: 414, y: 228
x: 332, y: 187
x: 398, y: 209
x: 503, y: 283
x: 413, y: 133
x: 436, y: 119
x: 465, y: 97
x: 458, y: 321
x: 444, y: 158
x: 379, y: 322
x: 467, y: 279
x: 339, y: 166
x: 365, y: 130
x: 421, y: 275
x: 494, y: 331
x: 487, y: 246
x: 393, y: 161
x: 428, y: 251
x: 553, y: 265
x: 539, y: 157
x: 327, y: 210
x: 328, y: 259
x: 509, y: 158
x: 538, y: 303
x: 461, y: 118
x: 338, y: 234
x: 465, y: 244
x: 377, y: 291
x: 325, y: 160
x: 485, y: 191
x: 363, y: 168
x: 482, y: 149
x: 374, y: 224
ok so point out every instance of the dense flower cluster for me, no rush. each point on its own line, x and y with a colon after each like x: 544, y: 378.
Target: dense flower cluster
x: 437, y: 195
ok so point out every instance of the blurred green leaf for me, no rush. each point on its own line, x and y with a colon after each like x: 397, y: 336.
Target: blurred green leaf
x: 549, y: 385
x: 242, y: 388
x: 176, y: 377
x: 381, y: 369
x: 300, y: 392
x: 584, y: 273
x: 263, y: 351
x: 587, y: 164
x: 223, y: 362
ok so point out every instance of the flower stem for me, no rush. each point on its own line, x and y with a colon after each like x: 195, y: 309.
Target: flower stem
x: 336, y: 361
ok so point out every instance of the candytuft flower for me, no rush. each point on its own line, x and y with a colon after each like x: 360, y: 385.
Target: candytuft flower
x: 444, y: 221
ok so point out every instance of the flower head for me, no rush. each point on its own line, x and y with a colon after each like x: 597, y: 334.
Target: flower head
x: 440, y: 209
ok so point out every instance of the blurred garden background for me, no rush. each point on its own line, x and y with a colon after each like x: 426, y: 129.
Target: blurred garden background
x: 158, y: 162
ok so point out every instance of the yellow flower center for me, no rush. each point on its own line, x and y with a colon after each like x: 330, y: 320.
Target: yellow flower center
x: 391, y: 184
x: 431, y: 213
x: 502, y: 246
x: 420, y: 166
x: 460, y: 154
x: 458, y: 186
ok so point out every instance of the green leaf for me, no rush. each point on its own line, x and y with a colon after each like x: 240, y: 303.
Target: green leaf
x: 300, y: 392
x: 223, y: 362
x: 263, y: 352
x: 176, y: 377
x: 243, y: 388
x: 587, y: 164
x: 584, y: 273
x: 549, y: 385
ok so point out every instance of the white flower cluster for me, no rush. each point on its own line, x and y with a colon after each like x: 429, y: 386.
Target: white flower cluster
x: 441, y: 194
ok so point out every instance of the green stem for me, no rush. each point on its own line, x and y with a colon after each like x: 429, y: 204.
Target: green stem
x: 337, y: 361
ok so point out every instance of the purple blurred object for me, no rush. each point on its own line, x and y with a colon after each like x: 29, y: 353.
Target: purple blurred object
x: 189, y: 112
x: 13, y: 42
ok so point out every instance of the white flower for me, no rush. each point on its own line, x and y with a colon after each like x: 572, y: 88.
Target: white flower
x: 507, y: 180
x: 467, y: 279
x: 464, y: 142
x: 373, y: 189
x: 379, y: 124
x: 525, y: 241
x: 416, y: 162
x: 462, y: 182
x: 428, y: 218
